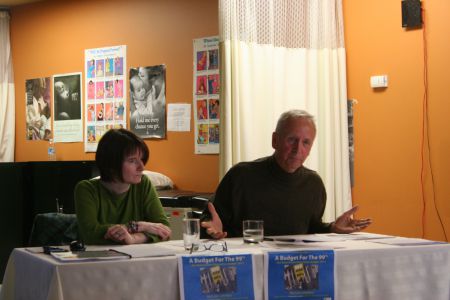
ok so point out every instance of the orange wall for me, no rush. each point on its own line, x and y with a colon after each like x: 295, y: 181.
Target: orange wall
x: 388, y: 123
x: 50, y: 37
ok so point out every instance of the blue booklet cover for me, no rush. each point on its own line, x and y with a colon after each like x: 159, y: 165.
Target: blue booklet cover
x: 216, y: 276
x: 299, y: 274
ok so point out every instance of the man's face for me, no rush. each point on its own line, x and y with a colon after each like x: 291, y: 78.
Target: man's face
x: 293, y: 143
x: 62, y: 90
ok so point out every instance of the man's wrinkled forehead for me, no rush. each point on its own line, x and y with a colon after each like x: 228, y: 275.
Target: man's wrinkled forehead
x: 296, y: 122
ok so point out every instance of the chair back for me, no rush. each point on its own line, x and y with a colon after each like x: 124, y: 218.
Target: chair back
x: 53, y: 229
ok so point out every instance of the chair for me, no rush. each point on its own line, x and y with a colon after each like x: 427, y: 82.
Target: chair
x: 54, y: 229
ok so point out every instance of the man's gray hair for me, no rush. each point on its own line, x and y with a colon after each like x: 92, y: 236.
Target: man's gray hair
x: 293, y: 114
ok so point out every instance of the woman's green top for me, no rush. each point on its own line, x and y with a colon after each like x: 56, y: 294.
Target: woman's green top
x: 97, y: 209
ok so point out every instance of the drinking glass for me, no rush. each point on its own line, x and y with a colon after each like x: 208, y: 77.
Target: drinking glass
x: 253, y: 231
x: 191, y: 232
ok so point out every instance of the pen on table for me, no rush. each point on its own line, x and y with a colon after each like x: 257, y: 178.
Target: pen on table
x: 288, y: 240
x: 279, y: 239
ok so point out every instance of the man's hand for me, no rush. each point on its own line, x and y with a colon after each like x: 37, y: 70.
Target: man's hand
x: 214, y: 226
x: 346, y: 224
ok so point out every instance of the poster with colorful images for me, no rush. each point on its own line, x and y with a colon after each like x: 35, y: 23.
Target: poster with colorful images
x: 148, y: 101
x: 216, y: 277
x: 68, y: 125
x: 302, y: 274
x: 206, y: 95
x: 105, y: 104
x: 38, y: 109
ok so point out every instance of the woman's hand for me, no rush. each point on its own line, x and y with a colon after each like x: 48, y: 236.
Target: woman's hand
x: 119, y: 233
x: 158, y: 229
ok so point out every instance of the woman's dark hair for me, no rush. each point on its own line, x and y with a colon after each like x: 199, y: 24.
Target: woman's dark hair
x: 114, y: 146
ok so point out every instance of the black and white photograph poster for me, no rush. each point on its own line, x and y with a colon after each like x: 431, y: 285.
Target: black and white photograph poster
x: 68, y: 125
x: 148, y: 101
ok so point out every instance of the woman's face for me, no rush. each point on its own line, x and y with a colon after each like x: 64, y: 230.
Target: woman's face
x: 132, y: 168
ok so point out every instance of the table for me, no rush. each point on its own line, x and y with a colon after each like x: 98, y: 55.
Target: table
x: 363, y: 270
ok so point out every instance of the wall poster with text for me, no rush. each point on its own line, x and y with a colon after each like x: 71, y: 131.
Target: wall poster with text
x: 206, y: 87
x: 105, y: 82
x: 38, y: 109
x: 68, y: 125
x: 148, y: 101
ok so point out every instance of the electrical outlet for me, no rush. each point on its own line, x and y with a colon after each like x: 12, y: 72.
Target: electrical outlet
x: 379, y: 81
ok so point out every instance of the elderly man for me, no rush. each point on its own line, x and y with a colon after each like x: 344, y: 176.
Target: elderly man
x: 278, y: 189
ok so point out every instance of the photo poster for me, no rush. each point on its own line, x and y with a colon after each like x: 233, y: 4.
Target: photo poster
x: 105, y: 83
x: 216, y: 276
x: 206, y: 87
x: 299, y: 274
x: 67, y: 122
x: 38, y: 109
x: 148, y: 101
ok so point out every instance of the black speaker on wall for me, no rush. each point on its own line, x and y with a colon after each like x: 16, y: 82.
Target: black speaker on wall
x: 411, y: 13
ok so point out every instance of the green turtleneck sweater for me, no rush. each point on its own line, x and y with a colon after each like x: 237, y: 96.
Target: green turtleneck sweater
x: 289, y: 203
x: 97, y: 209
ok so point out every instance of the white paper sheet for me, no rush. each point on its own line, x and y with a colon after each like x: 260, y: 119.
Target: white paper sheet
x: 179, y: 117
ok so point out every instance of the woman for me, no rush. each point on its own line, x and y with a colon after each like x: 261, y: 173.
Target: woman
x: 122, y: 205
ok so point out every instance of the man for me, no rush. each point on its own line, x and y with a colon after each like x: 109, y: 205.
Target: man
x: 278, y: 189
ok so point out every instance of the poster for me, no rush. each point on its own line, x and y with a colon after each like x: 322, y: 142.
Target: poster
x: 68, y: 125
x: 303, y: 274
x: 105, y: 104
x: 206, y: 87
x: 216, y: 277
x: 148, y: 101
x: 38, y: 109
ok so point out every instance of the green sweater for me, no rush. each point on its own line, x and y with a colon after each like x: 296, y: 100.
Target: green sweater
x: 97, y: 209
x: 289, y: 203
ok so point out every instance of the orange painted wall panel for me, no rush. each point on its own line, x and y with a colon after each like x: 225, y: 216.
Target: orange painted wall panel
x: 50, y: 37
x: 388, y: 123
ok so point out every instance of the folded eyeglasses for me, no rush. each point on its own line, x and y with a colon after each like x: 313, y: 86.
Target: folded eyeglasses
x: 216, y: 246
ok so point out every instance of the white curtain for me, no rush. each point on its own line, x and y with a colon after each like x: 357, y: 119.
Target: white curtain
x: 7, y: 106
x: 278, y: 55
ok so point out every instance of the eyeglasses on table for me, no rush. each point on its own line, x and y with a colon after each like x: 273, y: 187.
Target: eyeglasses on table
x: 216, y: 246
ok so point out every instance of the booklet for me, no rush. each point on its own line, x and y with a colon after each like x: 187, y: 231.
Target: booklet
x: 70, y: 256
x: 147, y: 250
x: 216, y: 276
x: 302, y: 274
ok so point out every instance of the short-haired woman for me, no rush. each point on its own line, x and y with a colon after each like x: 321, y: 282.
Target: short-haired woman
x: 121, y: 206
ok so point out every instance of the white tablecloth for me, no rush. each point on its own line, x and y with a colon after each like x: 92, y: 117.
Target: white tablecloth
x: 363, y: 270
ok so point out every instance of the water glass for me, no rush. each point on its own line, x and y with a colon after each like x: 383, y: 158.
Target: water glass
x: 253, y: 231
x: 191, y: 232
